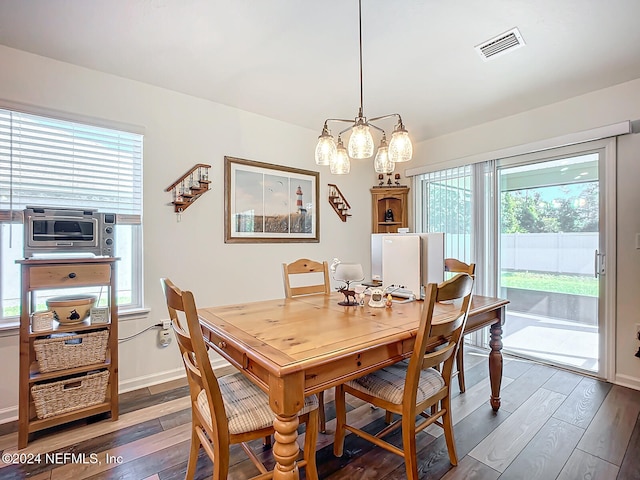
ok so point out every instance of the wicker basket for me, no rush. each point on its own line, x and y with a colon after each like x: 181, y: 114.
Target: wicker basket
x: 70, y: 394
x: 60, y: 352
x: 42, y: 321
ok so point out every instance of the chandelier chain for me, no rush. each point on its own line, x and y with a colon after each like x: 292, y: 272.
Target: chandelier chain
x: 361, y: 76
x: 361, y: 143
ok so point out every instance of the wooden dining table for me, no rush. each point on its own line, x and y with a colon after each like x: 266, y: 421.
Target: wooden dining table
x: 294, y: 347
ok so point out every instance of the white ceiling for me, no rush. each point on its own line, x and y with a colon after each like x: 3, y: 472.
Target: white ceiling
x: 297, y: 61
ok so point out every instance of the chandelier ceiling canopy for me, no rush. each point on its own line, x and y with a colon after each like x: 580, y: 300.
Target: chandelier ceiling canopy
x: 361, y: 144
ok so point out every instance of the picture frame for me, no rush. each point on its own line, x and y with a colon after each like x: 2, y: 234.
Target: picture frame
x: 268, y: 203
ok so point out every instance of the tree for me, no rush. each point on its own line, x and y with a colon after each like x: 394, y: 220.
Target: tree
x: 449, y: 208
x: 509, y: 218
x: 524, y: 211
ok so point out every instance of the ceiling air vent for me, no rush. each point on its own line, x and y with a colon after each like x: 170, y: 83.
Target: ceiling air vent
x: 504, y: 43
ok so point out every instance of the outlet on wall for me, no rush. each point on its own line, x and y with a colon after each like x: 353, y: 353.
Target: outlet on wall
x: 164, y: 338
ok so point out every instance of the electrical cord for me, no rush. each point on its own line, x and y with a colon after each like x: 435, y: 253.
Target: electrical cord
x: 157, y: 325
x: 400, y: 291
x: 407, y: 300
x: 390, y: 290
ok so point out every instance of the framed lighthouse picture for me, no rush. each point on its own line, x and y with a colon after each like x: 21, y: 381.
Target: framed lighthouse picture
x: 267, y: 203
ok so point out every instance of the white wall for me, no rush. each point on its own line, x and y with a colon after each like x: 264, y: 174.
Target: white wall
x: 596, y: 109
x: 181, y: 131
x: 628, y: 264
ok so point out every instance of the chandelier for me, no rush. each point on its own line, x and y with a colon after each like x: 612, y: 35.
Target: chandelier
x: 399, y: 148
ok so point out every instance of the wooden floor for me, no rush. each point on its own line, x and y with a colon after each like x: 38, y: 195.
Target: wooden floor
x: 552, y: 425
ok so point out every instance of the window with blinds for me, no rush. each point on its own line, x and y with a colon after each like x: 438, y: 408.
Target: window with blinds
x: 446, y: 206
x: 460, y: 202
x: 44, y: 161
x: 51, y: 162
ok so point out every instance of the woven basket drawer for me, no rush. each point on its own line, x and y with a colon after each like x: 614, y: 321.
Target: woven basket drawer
x: 71, y: 394
x: 58, y: 353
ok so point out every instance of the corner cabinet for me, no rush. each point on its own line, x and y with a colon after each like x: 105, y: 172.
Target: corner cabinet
x: 65, y: 391
x: 393, y: 200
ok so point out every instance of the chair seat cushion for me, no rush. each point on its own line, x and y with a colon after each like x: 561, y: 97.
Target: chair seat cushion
x: 388, y: 383
x: 246, y: 406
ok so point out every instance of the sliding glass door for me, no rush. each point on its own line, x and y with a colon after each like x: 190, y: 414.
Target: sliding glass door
x: 535, y: 227
x: 551, y: 257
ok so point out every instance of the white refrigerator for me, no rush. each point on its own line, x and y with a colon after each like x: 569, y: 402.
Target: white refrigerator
x: 407, y: 260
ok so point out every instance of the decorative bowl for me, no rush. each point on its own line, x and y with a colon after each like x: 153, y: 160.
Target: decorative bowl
x: 69, y: 309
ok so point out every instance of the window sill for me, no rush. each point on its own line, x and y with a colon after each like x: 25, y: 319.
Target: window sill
x: 12, y: 328
x: 9, y: 329
x: 133, y: 314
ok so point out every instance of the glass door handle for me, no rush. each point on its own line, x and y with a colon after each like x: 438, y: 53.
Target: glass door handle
x: 599, y: 264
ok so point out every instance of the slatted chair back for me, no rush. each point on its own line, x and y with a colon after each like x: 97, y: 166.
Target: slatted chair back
x: 458, y: 290
x: 194, y: 353
x: 456, y: 266
x: 311, y: 269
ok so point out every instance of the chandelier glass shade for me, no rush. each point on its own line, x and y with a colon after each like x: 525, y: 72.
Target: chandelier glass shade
x: 400, y: 148
x: 361, y: 143
x: 326, y: 148
x: 383, y: 163
x: 340, y: 163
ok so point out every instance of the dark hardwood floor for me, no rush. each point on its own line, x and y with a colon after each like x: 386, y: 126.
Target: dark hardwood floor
x: 552, y: 425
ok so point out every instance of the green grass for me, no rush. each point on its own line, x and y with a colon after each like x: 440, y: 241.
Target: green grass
x: 14, y: 310
x: 547, y: 282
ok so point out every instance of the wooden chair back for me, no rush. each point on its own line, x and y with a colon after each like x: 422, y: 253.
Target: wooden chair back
x: 459, y: 291
x: 304, y: 266
x: 456, y: 266
x: 194, y: 355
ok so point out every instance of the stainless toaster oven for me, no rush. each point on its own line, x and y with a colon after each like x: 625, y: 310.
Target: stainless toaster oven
x: 51, y: 230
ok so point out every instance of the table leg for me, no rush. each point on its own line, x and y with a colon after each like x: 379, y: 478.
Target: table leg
x: 495, y: 364
x: 285, y: 448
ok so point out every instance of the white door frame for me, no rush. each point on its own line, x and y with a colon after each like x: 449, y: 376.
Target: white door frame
x: 606, y: 305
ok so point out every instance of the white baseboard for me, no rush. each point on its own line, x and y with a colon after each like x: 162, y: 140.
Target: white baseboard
x: 9, y: 414
x: 218, y: 364
x: 628, y: 381
x: 150, y: 380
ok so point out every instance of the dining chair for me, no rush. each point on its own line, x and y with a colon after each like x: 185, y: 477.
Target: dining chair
x: 308, y: 269
x: 230, y: 409
x: 454, y: 265
x: 410, y: 388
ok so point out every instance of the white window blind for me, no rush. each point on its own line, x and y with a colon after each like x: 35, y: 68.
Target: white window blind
x: 459, y: 202
x: 46, y: 161
x: 446, y: 207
